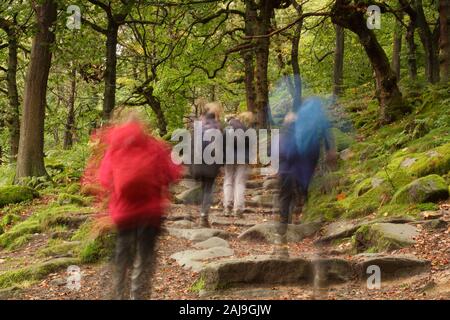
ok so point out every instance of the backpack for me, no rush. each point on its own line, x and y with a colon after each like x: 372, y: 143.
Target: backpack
x: 310, y: 125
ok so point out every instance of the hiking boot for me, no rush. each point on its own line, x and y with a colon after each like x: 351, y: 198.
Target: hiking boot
x: 204, y: 223
x: 238, y: 214
x: 281, y: 247
x: 227, y: 212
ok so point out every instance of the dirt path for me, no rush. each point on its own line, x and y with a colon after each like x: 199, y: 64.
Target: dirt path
x: 173, y: 282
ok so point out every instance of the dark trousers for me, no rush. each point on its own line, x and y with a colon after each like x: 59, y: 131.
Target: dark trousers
x: 207, y: 194
x: 135, y: 251
x: 291, y: 195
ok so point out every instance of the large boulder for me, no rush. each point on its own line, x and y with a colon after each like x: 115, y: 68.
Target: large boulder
x: 197, y: 235
x: 431, y: 188
x: 340, y: 229
x: 379, y: 237
x: 268, y: 232
x: 346, y: 228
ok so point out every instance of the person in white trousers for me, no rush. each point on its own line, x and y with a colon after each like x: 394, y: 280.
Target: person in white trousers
x: 236, y: 174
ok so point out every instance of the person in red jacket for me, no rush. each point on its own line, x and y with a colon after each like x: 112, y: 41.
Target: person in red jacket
x: 136, y: 171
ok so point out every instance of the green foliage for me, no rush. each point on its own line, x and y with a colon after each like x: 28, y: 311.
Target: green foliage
x: 65, y: 198
x: 198, y: 285
x: 6, y: 175
x: 15, y: 194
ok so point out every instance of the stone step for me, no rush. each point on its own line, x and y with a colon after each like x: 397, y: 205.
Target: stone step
x: 267, y: 232
x: 269, y: 270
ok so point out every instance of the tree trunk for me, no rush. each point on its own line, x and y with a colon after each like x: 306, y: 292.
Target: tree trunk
x: 412, y: 62
x: 390, y: 98
x: 249, y: 56
x: 155, y: 104
x: 397, y: 48
x: 295, y: 42
x: 13, y: 97
x: 13, y: 120
x: 70, y: 121
x: 109, y: 96
x: 30, y: 160
x: 286, y: 75
x: 262, y: 62
x: 338, y: 71
x: 429, y: 45
x: 444, y: 40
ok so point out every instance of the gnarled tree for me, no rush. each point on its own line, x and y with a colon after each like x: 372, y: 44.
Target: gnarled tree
x: 351, y: 17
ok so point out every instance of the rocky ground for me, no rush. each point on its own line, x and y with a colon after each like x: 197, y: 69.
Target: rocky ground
x: 232, y: 259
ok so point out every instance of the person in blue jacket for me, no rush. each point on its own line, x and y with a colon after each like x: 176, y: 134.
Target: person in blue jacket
x: 300, y: 144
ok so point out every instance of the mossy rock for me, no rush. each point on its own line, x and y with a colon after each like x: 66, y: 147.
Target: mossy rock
x: 98, y: 248
x: 19, y: 234
x: 34, y: 272
x: 405, y: 167
x: 16, y: 194
x: 369, y: 202
x: 382, y: 237
x: 431, y: 188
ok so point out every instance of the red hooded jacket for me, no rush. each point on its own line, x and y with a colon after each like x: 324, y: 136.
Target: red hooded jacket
x: 141, y: 163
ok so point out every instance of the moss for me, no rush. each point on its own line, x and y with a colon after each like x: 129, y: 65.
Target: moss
x: 58, y: 247
x: 97, y: 249
x: 369, y: 202
x: 428, y: 206
x: 325, y: 211
x: 431, y: 188
x: 198, y: 285
x: 34, y: 272
x: 43, y: 219
x: 399, y: 210
x: 15, y: 194
x: 19, y: 233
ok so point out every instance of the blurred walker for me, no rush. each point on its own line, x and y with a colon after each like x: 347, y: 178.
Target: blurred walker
x: 135, y: 172
x: 300, y: 144
x: 236, y: 174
